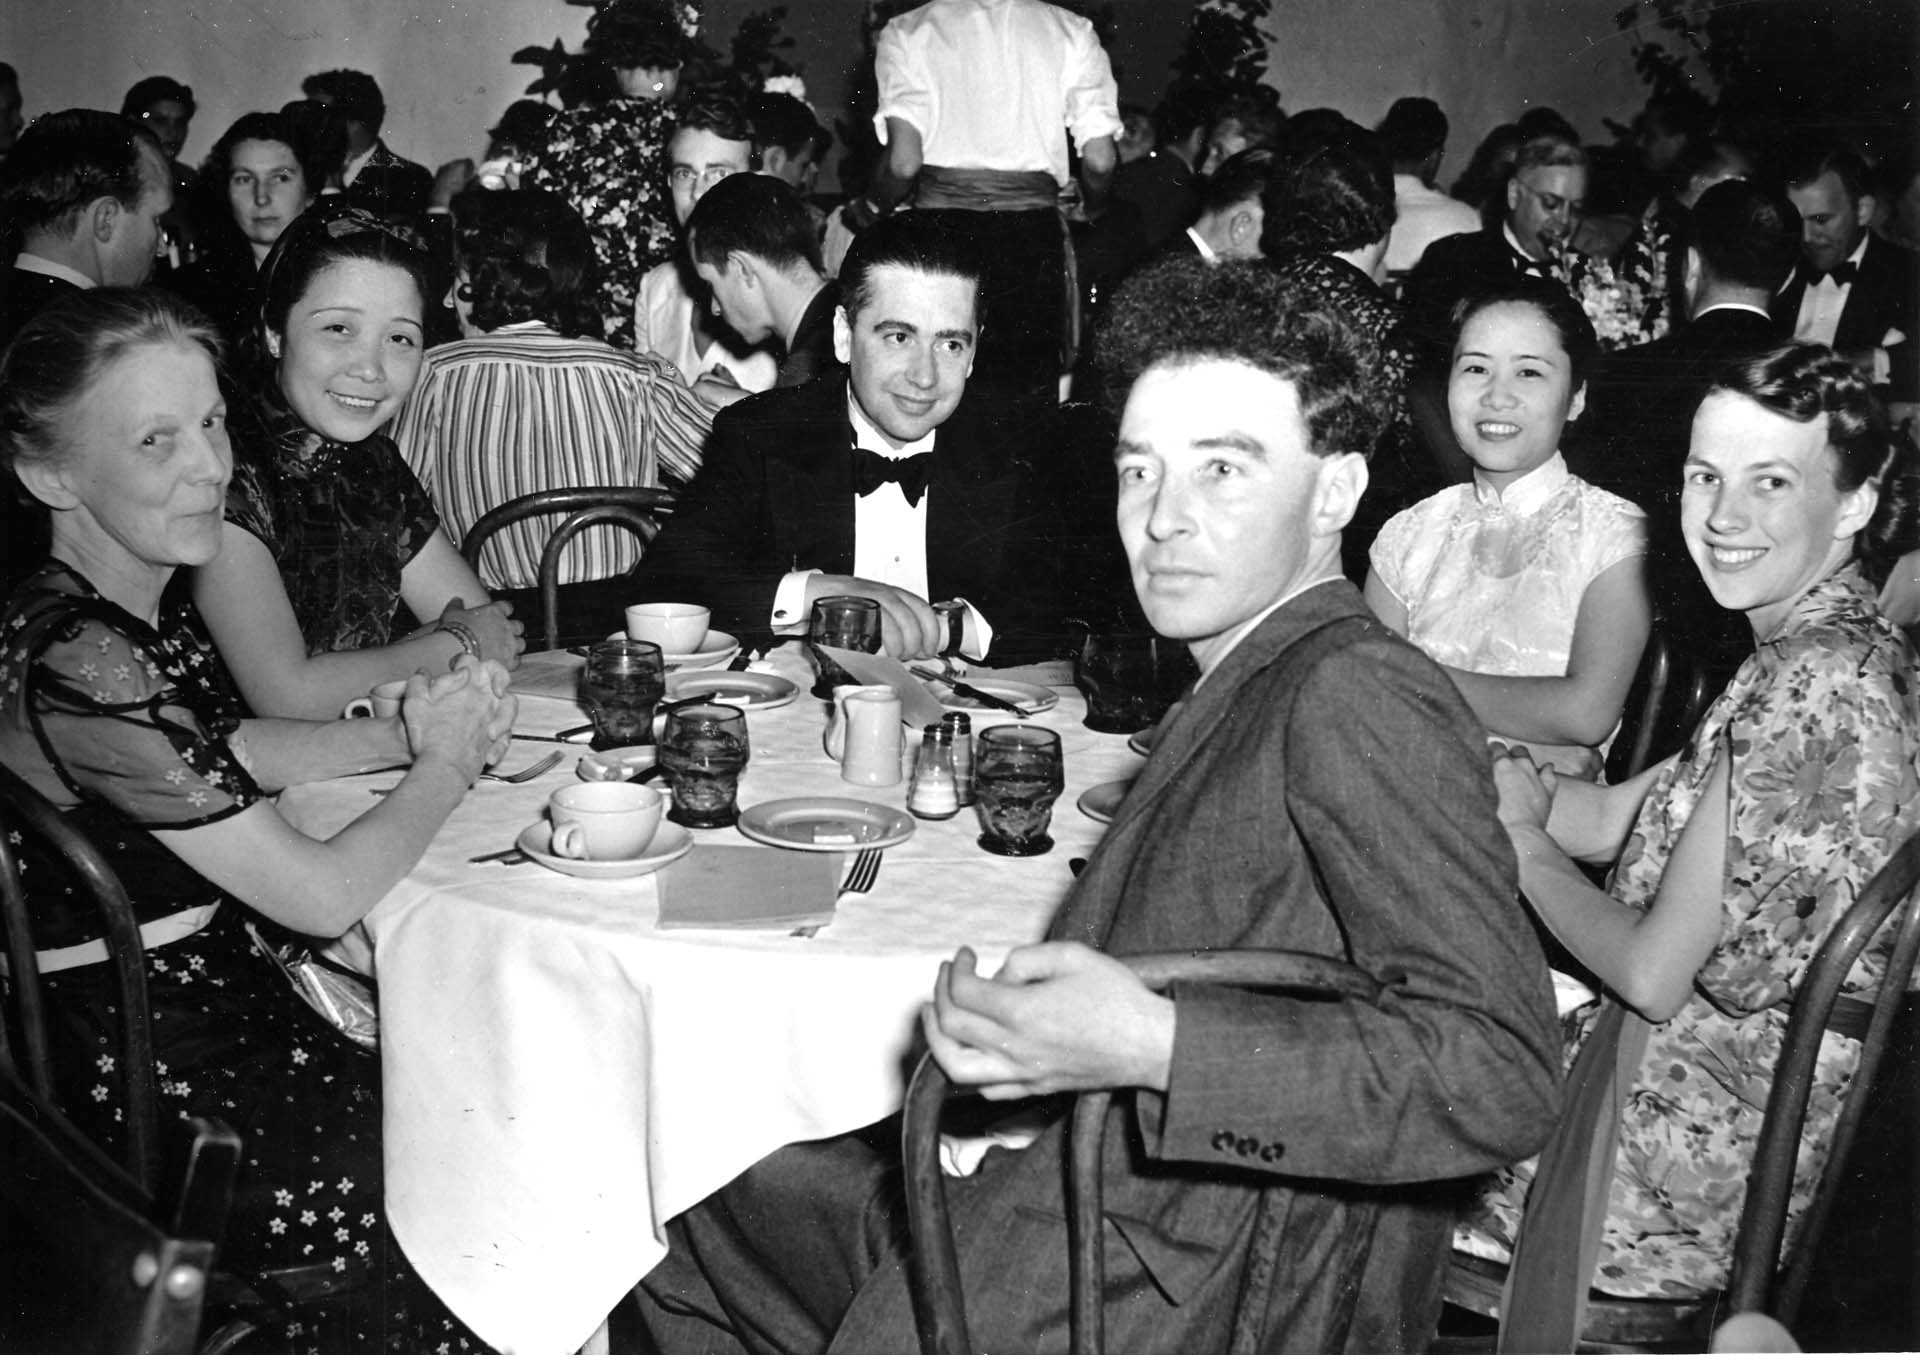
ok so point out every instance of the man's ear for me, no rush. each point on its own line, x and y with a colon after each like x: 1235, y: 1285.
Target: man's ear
x: 842, y: 336
x: 745, y: 266
x: 46, y: 482
x: 1343, y: 479
x: 103, y: 219
x: 774, y: 159
x: 1864, y: 209
x: 1513, y: 192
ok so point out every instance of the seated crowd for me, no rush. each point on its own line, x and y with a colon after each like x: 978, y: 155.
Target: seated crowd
x: 1393, y: 463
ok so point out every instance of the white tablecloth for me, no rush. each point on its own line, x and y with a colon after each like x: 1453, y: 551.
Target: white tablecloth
x: 561, y: 1078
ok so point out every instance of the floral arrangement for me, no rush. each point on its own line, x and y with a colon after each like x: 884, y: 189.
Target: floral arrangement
x: 1627, y: 298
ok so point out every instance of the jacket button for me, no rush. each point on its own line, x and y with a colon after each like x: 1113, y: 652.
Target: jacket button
x: 1247, y: 1147
x: 1221, y: 1142
x: 1272, y: 1152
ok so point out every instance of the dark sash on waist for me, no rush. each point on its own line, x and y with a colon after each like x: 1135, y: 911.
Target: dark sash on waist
x: 986, y: 190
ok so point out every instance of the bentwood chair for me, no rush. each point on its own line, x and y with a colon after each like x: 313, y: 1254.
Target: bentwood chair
x: 247, y: 1302
x: 1758, y: 1281
x: 637, y: 510
x: 933, y: 1265
x: 1669, y: 693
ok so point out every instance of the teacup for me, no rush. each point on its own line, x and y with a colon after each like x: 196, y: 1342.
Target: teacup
x: 677, y: 627
x: 382, y: 702
x: 604, y: 820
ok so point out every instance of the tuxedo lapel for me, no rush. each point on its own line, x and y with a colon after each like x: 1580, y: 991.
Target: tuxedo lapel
x: 810, y: 482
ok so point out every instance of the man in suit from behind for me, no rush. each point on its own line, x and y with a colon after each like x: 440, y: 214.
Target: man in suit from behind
x: 1742, y: 240
x: 85, y: 190
x: 1853, y: 291
x: 1232, y: 210
x: 375, y: 177
x: 1288, y: 1164
x: 889, y: 481
x: 753, y: 244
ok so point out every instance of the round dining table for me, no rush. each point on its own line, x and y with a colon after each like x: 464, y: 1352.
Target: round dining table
x: 562, y: 1075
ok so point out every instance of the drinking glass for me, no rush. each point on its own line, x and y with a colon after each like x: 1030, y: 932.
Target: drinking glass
x: 1017, y: 775
x: 704, y: 748
x: 845, y: 622
x: 624, y: 680
x: 1130, y: 679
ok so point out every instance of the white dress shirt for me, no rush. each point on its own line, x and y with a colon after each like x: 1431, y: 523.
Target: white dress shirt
x: 1822, y: 302
x: 663, y: 326
x: 1421, y: 216
x: 33, y: 263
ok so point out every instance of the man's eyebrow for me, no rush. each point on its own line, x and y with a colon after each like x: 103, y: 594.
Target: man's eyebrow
x: 1233, y: 441
x: 966, y: 334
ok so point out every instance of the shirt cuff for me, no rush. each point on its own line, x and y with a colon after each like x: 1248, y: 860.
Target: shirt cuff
x: 976, y: 634
x: 790, y: 603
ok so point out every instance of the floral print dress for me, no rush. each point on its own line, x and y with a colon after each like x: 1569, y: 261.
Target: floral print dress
x: 1822, y: 726
x: 125, y: 726
x: 609, y: 161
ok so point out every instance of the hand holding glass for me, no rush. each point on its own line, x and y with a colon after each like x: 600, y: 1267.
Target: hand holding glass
x: 845, y: 622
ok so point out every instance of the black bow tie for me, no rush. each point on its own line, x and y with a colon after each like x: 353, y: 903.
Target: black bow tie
x: 1843, y: 275
x: 912, y: 474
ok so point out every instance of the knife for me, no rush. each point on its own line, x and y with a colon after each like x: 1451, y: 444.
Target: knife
x: 971, y: 692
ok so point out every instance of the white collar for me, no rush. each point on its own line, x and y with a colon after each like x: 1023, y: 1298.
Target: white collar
x: 1206, y: 250
x: 1735, y: 306
x: 1530, y: 491
x: 1513, y: 243
x: 866, y: 435
x: 52, y: 268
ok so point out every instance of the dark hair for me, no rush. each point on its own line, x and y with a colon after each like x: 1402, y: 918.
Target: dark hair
x: 1804, y: 381
x: 755, y: 214
x: 63, y: 161
x: 782, y: 120
x: 1241, y: 176
x: 1488, y: 168
x: 1556, y: 306
x: 323, y: 131
x: 636, y: 35
x: 526, y: 253
x: 1546, y: 122
x: 1809, y: 161
x: 1185, y: 310
x: 331, y: 231
x: 712, y: 110
x: 917, y: 240
x: 1186, y: 109
x: 1548, y: 152
x: 215, y: 169
x: 1746, y: 233
x: 1413, y: 129
x: 355, y: 93
x: 152, y: 90
x: 1257, y: 109
x: 62, y: 351
x: 525, y: 126
x: 1337, y: 195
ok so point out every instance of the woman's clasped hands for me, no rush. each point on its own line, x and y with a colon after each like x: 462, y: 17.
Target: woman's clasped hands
x: 1526, y: 788
x: 463, y: 717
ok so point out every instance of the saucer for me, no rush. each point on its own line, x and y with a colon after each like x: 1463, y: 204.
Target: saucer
x: 1031, y: 697
x: 717, y: 648
x: 754, y: 691
x: 1102, y: 802
x: 669, y: 844
x: 825, y: 823
x: 1142, y: 742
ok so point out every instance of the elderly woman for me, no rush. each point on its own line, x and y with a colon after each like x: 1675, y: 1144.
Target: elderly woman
x: 520, y: 405
x: 1743, y: 851
x: 328, y: 533
x: 260, y: 175
x: 607, y: 157
x: 114, y: 707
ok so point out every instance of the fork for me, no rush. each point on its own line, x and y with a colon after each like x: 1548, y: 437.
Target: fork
x: 526, y: 773
x: 865, y: 870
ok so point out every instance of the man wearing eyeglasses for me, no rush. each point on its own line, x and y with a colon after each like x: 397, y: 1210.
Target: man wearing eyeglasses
x: 1545, y: 198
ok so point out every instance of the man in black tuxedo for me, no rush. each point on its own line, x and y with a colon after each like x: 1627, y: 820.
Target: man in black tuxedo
x: 752, y: 242
x: 886, y: 482
x: 86, y: 190
x: 1232, y: 210
x: 1742, y: 241
x: 1853, y: 291
x: 376, y: 178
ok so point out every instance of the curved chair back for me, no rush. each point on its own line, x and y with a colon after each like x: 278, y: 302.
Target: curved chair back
x: 933, y: 1266
x: 24, y: 811
x: 1666, y: 700
x: 638, y: 510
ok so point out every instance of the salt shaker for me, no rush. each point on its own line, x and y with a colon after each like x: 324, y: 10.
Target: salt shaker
x: 871, y: 755
x: 962, y: 728
x: 933, y: 794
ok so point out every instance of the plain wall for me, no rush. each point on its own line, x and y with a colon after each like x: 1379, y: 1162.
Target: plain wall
x: 446, y: 70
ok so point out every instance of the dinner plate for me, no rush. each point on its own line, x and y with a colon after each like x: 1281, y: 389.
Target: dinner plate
x: 717, y: 648
x: 669, y: 844
x: 1029, y: 696
x: 1102, y: 802
x: 754, y: 691
x: 825, y: 823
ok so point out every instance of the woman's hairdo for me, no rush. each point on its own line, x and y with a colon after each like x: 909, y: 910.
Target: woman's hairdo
x: 1556, y: 306
x: 61, y: 352
x: 636, y: 35
x: 527, y: 256
x: 1185, y: 310
x: 1804, y: 382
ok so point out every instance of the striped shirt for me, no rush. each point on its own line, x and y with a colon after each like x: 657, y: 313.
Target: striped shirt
x: 524, y: 409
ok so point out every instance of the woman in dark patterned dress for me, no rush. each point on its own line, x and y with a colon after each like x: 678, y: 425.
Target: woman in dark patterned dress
x: 114, y: 706
x: 328, y: 532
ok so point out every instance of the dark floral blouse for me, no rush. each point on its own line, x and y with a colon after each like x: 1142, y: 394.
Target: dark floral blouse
x: 610, y: 161
x: 341, y: 521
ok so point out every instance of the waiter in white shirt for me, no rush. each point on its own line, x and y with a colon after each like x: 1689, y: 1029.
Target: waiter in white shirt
x: 977, y: 99
x: 887, y: 481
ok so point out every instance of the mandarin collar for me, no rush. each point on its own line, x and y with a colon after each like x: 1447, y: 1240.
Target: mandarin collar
x: 1530, y: 492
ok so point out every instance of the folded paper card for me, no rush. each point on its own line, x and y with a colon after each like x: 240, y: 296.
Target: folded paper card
x: 553, y: 673
x: 918, y: 707
x: 735, y: 888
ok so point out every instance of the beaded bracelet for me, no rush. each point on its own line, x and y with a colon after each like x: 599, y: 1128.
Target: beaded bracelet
x: 461, y: 631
